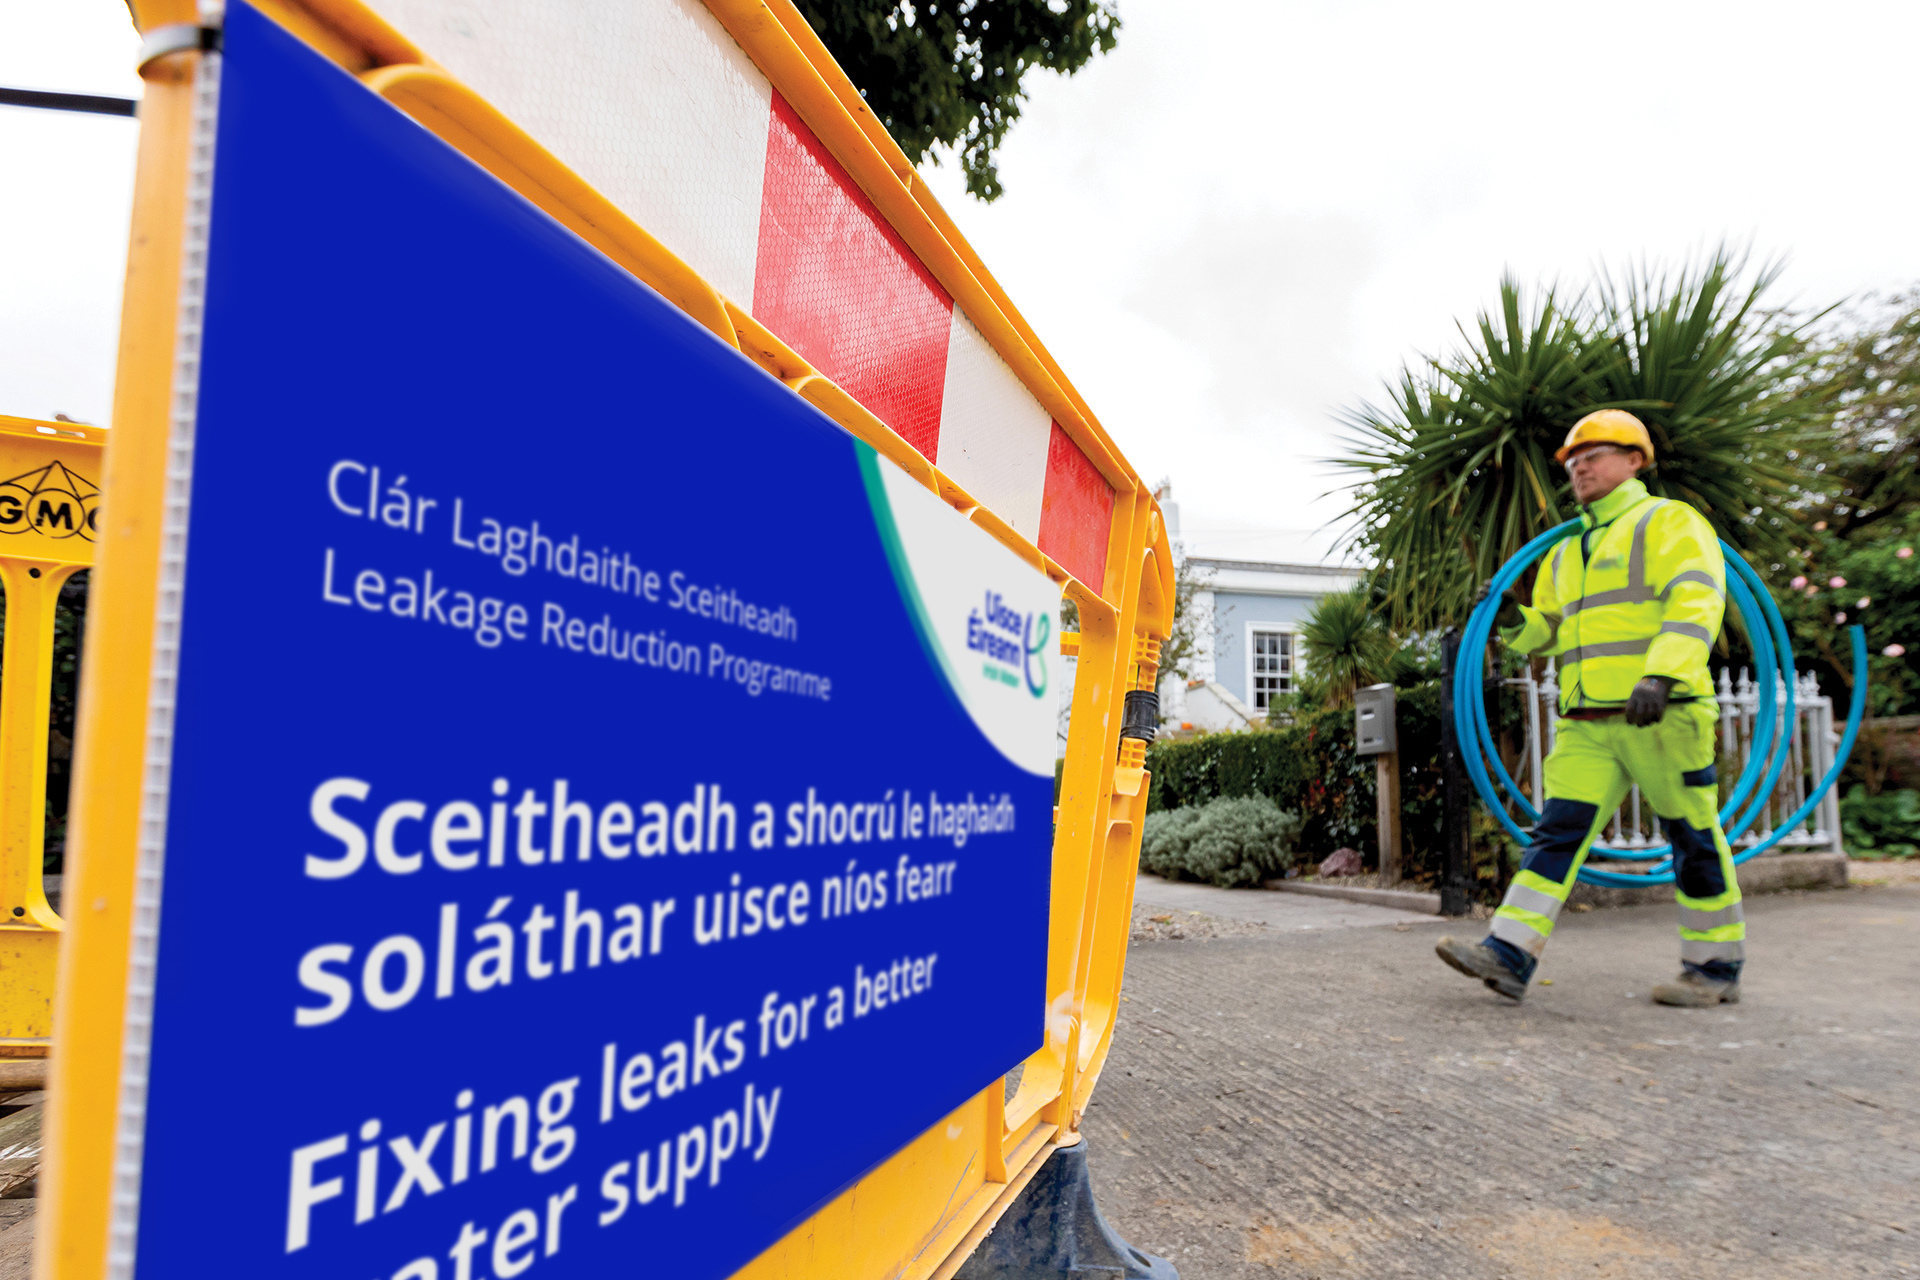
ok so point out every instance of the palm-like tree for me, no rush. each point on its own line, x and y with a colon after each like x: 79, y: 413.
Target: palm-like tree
x: 1346, y: 645
x: 1717, y: 381
x: 1458, y: 467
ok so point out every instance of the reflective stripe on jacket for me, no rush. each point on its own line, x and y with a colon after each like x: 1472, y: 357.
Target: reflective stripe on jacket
x: 1640, y: 591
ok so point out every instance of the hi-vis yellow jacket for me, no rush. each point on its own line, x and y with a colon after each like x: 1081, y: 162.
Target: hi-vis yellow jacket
x: 1640, y: 591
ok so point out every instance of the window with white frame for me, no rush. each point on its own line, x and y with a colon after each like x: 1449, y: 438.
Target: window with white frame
x: 1270, y: 665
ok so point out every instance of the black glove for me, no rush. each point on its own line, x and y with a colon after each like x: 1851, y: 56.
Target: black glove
x: 1510, y: 602
x: 1648, y: 701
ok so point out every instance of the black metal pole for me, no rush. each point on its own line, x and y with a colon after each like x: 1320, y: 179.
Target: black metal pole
x: 1453, y: 883
x: 89, y: 103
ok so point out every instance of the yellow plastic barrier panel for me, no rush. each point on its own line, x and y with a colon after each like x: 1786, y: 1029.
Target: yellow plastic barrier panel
x: 49, y: 522
x: 799, y: 236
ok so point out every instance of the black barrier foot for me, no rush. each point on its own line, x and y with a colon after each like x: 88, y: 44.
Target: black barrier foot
x: 1054, y: 1229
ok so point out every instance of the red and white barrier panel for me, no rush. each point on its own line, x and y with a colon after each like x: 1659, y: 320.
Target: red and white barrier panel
x: 653, y: 103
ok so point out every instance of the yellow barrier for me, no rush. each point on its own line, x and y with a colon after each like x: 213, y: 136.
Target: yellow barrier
x: 49, y: 510
x: 923, y: 1211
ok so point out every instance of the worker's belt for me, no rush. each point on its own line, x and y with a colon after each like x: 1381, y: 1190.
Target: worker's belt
x: 1607, y: 713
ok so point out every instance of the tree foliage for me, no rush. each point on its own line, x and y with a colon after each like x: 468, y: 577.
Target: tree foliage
x: 1869, y: 374
x: 1832, y: 583
x: 950, y: 72
x: 1346, y: 646
x: 1182, y: 644
x: 1458, y: 468
x: 1856, y: 552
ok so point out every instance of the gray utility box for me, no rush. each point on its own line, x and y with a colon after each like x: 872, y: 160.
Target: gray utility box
x: 1373, y: 720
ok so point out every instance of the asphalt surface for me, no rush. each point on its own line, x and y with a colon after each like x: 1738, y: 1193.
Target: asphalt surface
x: 1335, y: 1102
x: 1301, y: 1089
x: 16, y: 1239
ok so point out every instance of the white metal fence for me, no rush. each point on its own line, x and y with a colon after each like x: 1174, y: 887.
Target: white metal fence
x: 1810, y: 755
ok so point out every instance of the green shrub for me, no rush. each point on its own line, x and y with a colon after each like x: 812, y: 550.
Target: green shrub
x: 1310, y: 769
x: 1882, y: 826
x: 1163, y: 839
x: 1233, y: 842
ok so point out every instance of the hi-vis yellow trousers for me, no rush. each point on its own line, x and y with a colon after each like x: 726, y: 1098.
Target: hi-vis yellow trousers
x: 1594, y: 763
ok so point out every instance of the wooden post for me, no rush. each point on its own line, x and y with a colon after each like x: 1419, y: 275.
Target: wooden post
x: 1387, y: 792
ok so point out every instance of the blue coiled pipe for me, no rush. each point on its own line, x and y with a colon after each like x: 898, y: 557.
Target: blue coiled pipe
x: 1767, y: 717
x: 1772, y: 652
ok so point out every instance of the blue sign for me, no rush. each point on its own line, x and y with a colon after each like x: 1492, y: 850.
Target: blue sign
x: 610, y: 806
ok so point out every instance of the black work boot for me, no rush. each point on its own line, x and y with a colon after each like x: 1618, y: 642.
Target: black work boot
x: 1695, y: 990
x: 1477, y: 960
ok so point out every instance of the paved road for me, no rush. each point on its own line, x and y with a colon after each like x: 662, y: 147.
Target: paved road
x: 1336, y: 1103
x: 16, y: 1239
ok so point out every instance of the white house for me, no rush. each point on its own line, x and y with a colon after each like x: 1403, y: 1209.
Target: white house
x: 1247, y: 620
x: 1247, y: 617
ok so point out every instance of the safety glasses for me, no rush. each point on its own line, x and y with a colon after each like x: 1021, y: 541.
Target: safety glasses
x: 1592, y: 452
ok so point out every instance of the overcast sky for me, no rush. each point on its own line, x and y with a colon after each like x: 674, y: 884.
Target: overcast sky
x: 66, y: 193
x: 1244, y: 218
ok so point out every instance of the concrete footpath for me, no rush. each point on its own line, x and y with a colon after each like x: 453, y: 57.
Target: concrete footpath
x: 1277, y: 911
x: 1334, y: 1102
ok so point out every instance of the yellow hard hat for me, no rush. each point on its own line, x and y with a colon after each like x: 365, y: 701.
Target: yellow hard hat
x: 1607, y: 426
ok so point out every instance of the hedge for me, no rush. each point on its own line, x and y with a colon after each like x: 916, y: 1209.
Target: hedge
x: 1310, y: 768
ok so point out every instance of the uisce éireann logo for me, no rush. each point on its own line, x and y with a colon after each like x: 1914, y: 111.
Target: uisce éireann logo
x: 1014, y: 643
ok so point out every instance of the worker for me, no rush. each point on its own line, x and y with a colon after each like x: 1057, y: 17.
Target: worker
x: 1630, y: 605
